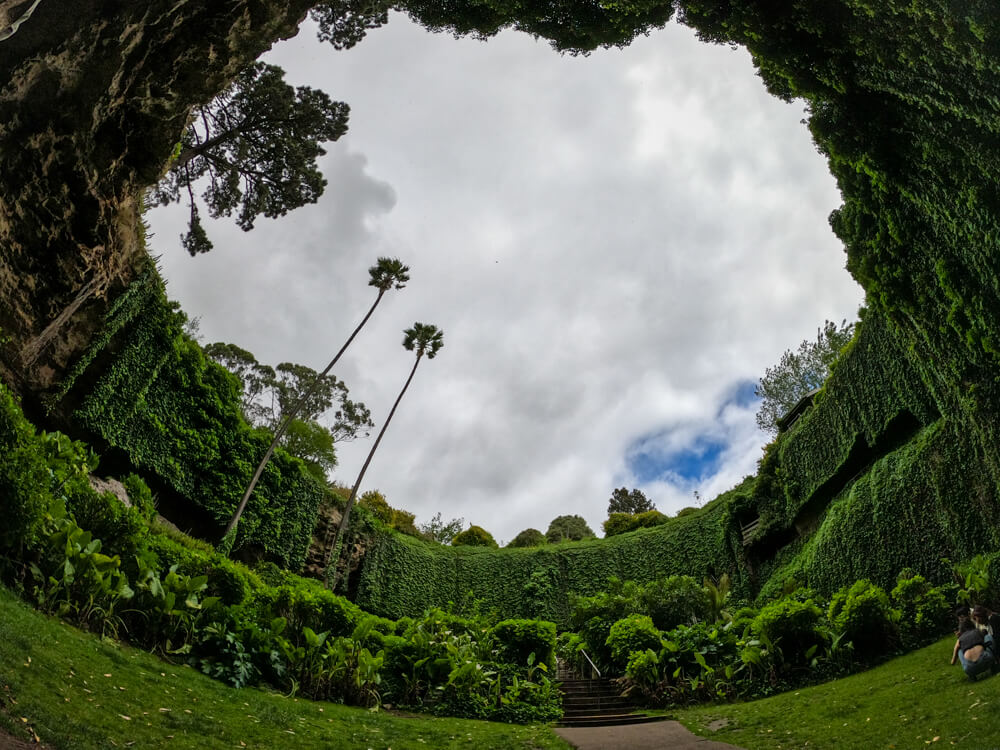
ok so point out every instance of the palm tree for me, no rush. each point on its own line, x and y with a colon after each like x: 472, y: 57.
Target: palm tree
x: 384, y: 275
x: 424, y: 340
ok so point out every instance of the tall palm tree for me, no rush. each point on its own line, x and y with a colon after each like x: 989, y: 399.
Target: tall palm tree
x: 424, y: 340
x: 384, y: 275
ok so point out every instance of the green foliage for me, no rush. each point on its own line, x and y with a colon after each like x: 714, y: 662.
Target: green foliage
x: 635, y: 633
x: 569, y: 26
x: 792, y: 625
x: 620, y: 523
x: 400, y: 575
x: 863, y: 615
x: 675, y: 600
x: 106, y: 517
x: 973, y: 579
x: 256, y: 144
x: 75, y: 580
x: 517, y: 640
x: 140, y: 496
x: 177, y: 418
x: 925, y: 611
x: 799, y: 372
x: 617, y: 523
x: 568, y: 528
x: 528, y: 538
x: 25, y: 478
x: 375, y: 503
x: 440, y: 531
x: 631, y: 503
x: 474, y: 536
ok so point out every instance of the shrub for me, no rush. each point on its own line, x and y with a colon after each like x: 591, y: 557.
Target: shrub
x: 617, y: 523
x: 375, y: 502
x: 230, y: 582
x: 593, y: 616
x: 648, y: 519
x: 791, y: 625
x: 24, y: 477
x: 862, y: 613
x: 568, y: 528
x: 528, y: 538
x: 516, y: 640
x: 924, y: 612
x: 122, y: 529
x: 140, y: 496
x: 644, y: 669
x: 306, y: 604
x: 568, y: 647
x: 699, y: 660
x: 633, y: 633
x: 675, y: 600
x: 742, y: 619
x: 474, y: 536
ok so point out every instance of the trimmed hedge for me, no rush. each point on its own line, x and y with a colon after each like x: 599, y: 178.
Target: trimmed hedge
x: 400, y: 575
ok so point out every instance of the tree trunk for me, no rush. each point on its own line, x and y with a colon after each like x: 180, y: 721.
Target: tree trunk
x: 286, y: 420
x: 334, y: 554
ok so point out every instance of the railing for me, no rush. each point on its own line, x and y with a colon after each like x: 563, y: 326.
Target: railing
x: 748, y: 530
x: 593, y: 666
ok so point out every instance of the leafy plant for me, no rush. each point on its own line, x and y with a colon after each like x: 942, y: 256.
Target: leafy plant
x: 633, y: 633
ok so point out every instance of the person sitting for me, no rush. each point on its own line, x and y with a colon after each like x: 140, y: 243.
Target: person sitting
x: 970, y: 649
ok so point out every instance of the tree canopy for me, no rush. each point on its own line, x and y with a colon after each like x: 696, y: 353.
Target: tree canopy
x: 474, y: 536
x: 799, y: 372
x: 269, y: 392
x: 625, y: 501
x: 528, y: 538
x: 255, y: 148
x: 440, y: 531
x: 568, y: 528
x: 574, y: 26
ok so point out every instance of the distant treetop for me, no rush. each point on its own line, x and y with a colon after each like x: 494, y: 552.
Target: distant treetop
x: 631, y: 502
x: 568, y: 528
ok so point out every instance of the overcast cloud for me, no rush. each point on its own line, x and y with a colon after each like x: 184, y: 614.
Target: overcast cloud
x: 616, y: 247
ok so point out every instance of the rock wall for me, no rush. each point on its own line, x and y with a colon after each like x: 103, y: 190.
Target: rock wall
x: 95, y: 94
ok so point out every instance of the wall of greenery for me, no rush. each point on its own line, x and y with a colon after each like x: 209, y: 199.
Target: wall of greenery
x: 146, y: 390
x: 400, y: 574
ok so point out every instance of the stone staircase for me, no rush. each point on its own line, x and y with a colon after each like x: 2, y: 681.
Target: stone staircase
x: 595, y: 703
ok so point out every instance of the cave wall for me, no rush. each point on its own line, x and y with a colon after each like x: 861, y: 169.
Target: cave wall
x: 94, y: 96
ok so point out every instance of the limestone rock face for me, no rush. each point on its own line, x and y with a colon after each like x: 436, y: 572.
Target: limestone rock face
x: 93, y: 96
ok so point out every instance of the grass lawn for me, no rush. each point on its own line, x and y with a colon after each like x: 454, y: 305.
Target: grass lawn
x: 914, y: 701
x: 77, y: 692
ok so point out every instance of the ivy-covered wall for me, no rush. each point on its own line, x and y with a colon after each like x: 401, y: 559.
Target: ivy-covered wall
x: 148, y: 393
x: 870, y: 480
x: 401, y: 575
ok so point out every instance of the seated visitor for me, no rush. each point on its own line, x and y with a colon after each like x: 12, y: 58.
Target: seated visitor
x: 970, y: 649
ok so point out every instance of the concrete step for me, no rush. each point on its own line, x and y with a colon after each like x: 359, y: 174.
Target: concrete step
x: 608, y: 720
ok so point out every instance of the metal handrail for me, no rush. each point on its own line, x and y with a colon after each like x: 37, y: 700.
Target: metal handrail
x: 591, y: 663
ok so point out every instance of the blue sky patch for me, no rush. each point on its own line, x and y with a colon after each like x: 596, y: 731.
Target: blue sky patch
x: 651, y: 457
x: 691, y: 463
x: 742, y: 395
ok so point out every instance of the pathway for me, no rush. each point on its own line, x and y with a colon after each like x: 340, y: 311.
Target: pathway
x: 662, y: 735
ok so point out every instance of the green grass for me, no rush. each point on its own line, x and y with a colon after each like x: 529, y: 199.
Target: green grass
x: 914, y: 701
x: 79, y: 692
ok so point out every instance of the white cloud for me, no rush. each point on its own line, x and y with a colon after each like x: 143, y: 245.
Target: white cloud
x: 610, y: 244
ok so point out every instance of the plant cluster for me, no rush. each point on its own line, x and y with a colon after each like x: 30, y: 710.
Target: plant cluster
x: 713, y: 654
x: 179, y: 598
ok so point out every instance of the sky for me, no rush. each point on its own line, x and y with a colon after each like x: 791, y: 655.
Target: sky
x: 616, y: 247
